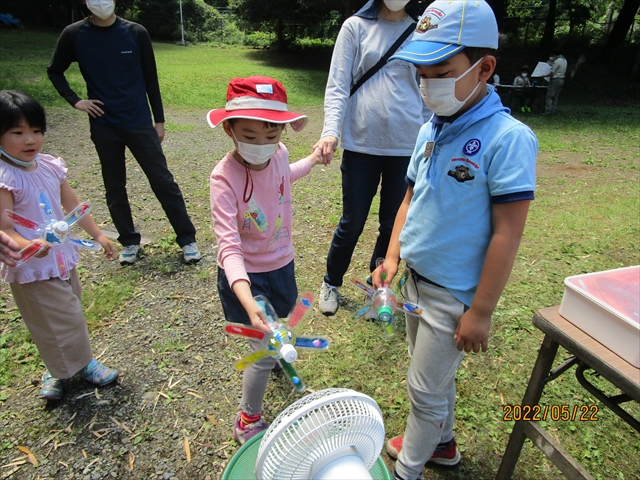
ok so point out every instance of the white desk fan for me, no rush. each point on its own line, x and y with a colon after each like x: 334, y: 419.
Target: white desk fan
x: 331, y: 434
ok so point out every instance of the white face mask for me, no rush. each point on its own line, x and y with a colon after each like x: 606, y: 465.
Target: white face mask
x: 439, y: 94
x: 14, y: 160
x: 524, y: 75
x: 102, y: 9
x: 255, y: 154
x: 395, y: 5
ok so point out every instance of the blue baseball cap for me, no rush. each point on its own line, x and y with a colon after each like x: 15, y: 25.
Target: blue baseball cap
x: 448, y: 26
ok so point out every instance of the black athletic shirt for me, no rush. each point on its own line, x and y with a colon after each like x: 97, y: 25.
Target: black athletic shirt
x: 119, y: 67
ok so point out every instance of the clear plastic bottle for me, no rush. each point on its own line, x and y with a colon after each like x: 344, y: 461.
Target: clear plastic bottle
x: 279, y: 341
x: 385, y: 304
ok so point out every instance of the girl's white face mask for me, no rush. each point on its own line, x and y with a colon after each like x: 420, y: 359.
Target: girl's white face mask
x: 255, y: 154
x: 102, y: 9
x: 439, y: 94
x: 396, y: 5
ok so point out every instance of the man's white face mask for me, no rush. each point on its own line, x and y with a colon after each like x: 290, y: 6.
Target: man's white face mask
x: 102, y: 9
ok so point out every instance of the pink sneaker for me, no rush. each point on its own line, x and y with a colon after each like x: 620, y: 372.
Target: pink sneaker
x: 446, y: 454
x: 252, y: 429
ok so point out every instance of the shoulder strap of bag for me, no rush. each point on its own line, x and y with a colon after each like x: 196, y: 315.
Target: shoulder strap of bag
x: 372, y: 71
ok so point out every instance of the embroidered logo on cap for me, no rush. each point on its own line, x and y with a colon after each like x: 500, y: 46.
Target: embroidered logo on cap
x: 425, y: 25
x: 264, y: 88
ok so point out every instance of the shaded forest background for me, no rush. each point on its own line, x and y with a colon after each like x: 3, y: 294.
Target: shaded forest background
x: 600, y: 39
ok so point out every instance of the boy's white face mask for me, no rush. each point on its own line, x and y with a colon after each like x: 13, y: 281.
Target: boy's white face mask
x: 102, y: 9
x: 395, y: 5
x: 255, y: 154
x: 439, y: 94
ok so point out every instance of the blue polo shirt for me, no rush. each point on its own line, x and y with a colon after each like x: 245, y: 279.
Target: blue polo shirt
x: 458, y: 171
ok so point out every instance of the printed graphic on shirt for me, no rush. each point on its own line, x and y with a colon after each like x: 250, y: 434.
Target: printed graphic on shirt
x: 255, y: 215
x: 281, y: 191
x: 280, y: 239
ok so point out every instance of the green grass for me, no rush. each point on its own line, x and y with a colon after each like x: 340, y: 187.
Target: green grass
x: 584, y: 219
x: 196, y: 76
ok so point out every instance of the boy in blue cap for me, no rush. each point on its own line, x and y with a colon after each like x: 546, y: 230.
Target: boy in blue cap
x: 470, y: 181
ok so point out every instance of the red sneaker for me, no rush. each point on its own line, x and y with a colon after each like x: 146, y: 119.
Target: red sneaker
x: 446, y: 454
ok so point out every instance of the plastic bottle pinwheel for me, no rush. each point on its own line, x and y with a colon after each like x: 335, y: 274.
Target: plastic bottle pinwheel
x: 384, y: 303
x: 281, y: 342
x: 54, y: 231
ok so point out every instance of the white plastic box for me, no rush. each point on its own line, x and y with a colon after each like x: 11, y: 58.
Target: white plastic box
x: 606, y: 306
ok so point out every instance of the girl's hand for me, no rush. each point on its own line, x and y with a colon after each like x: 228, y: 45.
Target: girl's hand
x: 316, y: 158
x: 107, y: 246
x: 257, y: 318
x: 326, y: 145
x: 45, y: 252
x: 388, y: 270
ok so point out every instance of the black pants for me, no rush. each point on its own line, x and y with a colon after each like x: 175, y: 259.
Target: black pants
x: 145, y: 146
x: 361, y: 176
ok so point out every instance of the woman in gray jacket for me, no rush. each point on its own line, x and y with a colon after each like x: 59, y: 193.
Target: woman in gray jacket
x: 377, y: 126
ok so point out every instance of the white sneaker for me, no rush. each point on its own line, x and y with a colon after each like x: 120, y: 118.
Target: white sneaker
x: 329, y: 298
x: 191, y: 253
x: 129, y: 254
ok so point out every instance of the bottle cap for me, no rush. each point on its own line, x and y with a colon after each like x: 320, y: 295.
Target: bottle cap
x: 288, y: 353
x: 385, y: 313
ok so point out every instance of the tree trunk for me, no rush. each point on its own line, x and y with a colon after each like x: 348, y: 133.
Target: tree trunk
x: 546, y: 44
x: 280, y: 35
x: 623, y: 23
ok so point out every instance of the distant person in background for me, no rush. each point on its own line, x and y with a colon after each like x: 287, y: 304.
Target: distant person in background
x: 117, y: 62
x: 522, y: 80
x: 556, y: 82
x: 377, y: 126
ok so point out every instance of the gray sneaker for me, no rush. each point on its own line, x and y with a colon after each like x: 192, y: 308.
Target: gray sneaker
x: 129, y: 254
x: 191, y: 253
x: 329, y: 298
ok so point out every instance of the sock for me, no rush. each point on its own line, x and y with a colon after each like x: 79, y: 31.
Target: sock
x: 246, y: 419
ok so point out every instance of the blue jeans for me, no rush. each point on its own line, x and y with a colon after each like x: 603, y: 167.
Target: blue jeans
x: 145, y: 146
x: 361, y: 175
x: 279, y: 286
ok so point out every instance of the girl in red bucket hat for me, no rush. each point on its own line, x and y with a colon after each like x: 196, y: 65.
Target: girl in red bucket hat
x: 251, y: 211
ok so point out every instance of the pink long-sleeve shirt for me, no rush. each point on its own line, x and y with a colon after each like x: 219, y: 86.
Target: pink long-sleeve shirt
x: 254, y: 236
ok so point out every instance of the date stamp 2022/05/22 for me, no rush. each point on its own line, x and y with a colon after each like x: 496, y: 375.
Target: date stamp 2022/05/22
x: 537, y: 413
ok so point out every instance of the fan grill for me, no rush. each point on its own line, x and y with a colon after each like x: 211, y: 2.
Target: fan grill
x: 317, y: 425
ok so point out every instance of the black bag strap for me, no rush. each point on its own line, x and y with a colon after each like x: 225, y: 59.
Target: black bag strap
x: 372, y: 71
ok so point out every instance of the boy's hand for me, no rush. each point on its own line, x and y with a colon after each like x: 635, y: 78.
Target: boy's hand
x: 473, y: 332
x: 107, y: 246
x: 326, y: 146
x: 387, y: 270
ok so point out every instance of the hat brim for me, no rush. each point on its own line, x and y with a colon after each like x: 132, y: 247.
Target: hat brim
x: 420, y: 52
x: 297, y: 120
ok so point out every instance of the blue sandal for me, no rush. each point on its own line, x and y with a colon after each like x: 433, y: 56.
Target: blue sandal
x: 51, y: 387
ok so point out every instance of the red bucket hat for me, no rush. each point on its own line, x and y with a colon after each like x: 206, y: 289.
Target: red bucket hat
x: 257, y: 98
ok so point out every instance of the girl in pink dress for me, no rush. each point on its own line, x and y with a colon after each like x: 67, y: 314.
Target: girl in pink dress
x: 50, y: 306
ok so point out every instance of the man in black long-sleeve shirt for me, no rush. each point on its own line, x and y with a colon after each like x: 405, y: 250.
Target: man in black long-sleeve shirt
x: 118, y: 65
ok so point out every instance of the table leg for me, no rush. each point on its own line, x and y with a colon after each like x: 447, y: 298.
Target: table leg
x: 544, y: 362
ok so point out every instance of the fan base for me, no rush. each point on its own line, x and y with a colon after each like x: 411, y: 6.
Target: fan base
x: 243, y: 462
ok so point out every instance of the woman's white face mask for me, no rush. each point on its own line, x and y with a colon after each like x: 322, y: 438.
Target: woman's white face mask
x: 395, y: 5
x: 255, y: 154
x: 439, y: 94
x: 102, y: 9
